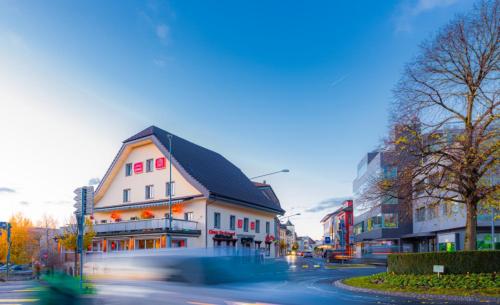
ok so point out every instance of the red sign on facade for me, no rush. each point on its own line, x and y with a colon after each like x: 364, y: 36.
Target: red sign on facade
x: 160, y: 163
x: 252, y: 225
x: 240, y: 223
x: 138, y: 167
x: 217, y: 232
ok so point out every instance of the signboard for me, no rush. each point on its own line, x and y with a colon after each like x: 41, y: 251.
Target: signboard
x: 219, y: 232
x: 252, y: 225
x: 240, y: 223
x: 327, y: 240
x: 438, y: 269
x: 160, y: 163
x: 138, y: 167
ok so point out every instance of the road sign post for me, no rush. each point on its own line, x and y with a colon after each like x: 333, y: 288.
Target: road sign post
x: 84, y: 202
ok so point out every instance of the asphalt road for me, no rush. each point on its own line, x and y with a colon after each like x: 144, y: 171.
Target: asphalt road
x: 305, y: 286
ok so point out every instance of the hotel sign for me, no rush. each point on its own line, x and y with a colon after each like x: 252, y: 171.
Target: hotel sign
x: 219, y: 232
x: 160, y: 163
x: 138, y: 168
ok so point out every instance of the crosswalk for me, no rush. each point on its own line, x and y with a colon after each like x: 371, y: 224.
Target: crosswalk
x: 18, y: 293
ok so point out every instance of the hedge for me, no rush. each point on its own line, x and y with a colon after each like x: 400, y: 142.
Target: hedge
x: 454, y: 262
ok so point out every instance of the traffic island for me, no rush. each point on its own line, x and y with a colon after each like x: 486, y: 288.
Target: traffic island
x: 450, y: 287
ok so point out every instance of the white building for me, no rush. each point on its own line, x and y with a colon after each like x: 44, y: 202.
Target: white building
x: 214, y: 203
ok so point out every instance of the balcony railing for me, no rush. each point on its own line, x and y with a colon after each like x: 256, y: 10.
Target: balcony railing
x: 146, y: 224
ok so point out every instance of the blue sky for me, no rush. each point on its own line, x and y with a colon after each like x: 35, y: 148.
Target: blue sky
x: 269, y: 84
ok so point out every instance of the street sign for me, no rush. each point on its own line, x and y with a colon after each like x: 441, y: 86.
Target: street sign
x: 327, y: 240
x: 438, y: 269
x: 84, y: 200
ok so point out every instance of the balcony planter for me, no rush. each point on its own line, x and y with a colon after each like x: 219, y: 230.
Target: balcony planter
x: 147, y: 214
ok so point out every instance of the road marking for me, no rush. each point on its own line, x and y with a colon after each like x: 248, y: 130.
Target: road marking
x: 28, y: 289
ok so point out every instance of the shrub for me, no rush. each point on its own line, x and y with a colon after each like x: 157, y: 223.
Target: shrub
x: 446, y: 281
x: 461, y: 262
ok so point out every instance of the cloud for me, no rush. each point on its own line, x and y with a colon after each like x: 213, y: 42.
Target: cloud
x: 326, y: 204
x: 94, y: 181
x: 7, y: 190
x: 339, y: 80
x: 58, y: 202
x: 24, y: 202
x: 162, y: 32
x: 409, y: 10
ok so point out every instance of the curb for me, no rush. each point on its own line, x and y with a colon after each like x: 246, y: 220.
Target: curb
x: 441, y: 297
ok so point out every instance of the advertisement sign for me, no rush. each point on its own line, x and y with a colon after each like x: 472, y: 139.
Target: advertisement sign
x: 138, y: 168
x: 240, y: 223
x: 160, y: 163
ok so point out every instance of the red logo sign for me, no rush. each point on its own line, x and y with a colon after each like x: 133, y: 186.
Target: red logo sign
x: 252, y: 225
x: 160, y: 163
x: 240, y: 223
x: 217, y: 232
x: 138, y: 167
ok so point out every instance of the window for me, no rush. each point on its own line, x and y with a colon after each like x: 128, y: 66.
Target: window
x: 232, y: 222
x: 268, y: 227
x: 149, y: 165
x: 390, y: 172
x: 188, y: 216
x: 433, y: 211
x: 150, y: 191
x: 421, y: 214
x: 445, y: 209
x: 126, y: 195
x: 170, y: 188
x: 134, y: 218
x: 128, y: 169
x: 358, y: 228
x: 217, y: 220
x: 245, y: 224
x: 104, y: 221
x: 390, y: 220
x: 374, y: 222
x: 257, y: 226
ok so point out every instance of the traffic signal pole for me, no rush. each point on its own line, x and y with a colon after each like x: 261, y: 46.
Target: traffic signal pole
x: 9, y: 244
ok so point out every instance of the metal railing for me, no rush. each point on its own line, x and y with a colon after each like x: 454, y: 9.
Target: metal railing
x: 146, y: 224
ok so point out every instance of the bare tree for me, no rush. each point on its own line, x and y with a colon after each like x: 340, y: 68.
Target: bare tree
x: 446, y: 136
x: 48, y: 247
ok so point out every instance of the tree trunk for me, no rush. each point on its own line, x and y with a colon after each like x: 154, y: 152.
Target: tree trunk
x: 471, y: 226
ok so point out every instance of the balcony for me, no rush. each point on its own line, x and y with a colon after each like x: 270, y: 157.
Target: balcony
x: 147, y: 226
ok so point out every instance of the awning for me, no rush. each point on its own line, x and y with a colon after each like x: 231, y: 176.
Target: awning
x: 420, y: 234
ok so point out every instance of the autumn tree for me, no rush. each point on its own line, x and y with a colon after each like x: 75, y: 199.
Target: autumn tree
x: 445, y: 118
x: 24, y: 244
x: 69, y: 237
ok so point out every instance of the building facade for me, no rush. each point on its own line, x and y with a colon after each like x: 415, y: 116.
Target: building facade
x: 338, y: 229
x: 213, y: 203
x: 378, y: 224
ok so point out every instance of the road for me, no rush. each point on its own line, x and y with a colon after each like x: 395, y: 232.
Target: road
x: 305, y: 286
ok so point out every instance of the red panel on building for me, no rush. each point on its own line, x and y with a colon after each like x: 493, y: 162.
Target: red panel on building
x: 252, y: 225
x: 160, y: 163
x: 240, y: 223
x: 138, y: 167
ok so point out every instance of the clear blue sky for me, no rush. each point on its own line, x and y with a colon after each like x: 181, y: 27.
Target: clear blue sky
x: 269, y: 84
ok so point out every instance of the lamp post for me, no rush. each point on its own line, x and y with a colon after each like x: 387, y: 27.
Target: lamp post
x: 269, y: 174
x: 170, y: 191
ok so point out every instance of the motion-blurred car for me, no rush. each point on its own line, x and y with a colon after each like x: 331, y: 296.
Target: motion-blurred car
x: 307, y: 254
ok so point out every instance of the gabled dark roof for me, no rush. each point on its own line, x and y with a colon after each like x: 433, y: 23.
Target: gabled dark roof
x: 218, y: 175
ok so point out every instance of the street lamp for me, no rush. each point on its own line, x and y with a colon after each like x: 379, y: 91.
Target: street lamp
x: 269, y: 174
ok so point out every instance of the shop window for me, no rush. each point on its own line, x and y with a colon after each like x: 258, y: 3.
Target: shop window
x: 232, y: 222
x: 128, y: 169
x: 170, y: 189
x: 217, y: 220
x: 126, y: 195
x: 390, y: 220
x: 149, y: 191
x: 149, y: 165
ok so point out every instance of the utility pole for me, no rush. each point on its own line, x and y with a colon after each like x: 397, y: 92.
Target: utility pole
x: 9, y: 245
